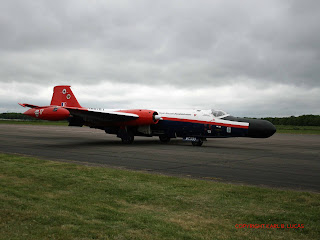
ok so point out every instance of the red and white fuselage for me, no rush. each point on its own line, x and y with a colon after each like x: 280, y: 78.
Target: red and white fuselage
x: 193, y: 125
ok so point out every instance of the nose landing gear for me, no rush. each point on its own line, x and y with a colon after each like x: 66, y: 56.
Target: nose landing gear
x: 197, y: 143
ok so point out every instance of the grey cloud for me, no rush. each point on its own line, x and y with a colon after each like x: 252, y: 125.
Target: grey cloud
x: 218, y: 40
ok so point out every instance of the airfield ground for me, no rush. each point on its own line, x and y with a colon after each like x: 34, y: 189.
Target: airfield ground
x: 88, y: 200
x: 43, y: 199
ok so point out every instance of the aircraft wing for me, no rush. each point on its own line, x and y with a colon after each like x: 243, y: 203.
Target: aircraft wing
x: 90, y: 115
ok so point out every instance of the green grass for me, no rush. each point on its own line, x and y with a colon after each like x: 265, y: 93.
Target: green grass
x: 298, y: 129
x: 35, y: 122
x: 52, y: 200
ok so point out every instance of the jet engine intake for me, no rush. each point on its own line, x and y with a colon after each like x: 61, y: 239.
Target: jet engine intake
x: 146, y: 117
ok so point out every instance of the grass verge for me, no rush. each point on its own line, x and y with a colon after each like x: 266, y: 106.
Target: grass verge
x: 298, y: 129
x: 53, y: 200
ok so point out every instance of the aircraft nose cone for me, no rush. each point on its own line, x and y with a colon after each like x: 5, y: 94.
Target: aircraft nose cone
x: 261, y: 129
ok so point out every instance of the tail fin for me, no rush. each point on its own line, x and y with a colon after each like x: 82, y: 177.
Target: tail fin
x: 63, y: 96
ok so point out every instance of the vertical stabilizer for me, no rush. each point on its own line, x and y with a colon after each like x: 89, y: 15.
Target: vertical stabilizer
x: 63, y: 96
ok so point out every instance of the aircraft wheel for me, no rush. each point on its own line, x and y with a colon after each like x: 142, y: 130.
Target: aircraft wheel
x: 164, y: 138
x: 198, y: 143
x: 128, y: 139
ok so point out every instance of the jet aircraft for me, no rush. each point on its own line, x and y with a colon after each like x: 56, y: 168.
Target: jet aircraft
x: 191, y: 125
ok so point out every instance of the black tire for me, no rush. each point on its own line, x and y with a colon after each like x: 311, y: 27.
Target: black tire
x: 164, y: 138
x: 128, y: 139
x: 198, y: 143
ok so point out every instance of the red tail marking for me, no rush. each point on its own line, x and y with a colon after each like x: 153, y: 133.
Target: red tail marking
x: 63, y: 96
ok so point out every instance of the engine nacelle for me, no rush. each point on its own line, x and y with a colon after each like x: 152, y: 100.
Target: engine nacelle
x: 48, y: 113
x: 146, y: 117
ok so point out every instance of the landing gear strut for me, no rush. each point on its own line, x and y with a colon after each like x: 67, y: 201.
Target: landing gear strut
x: 126, y: 136
x: 128, y: 139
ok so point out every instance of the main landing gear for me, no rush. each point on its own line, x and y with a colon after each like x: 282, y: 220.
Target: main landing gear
x: 128, y: 139
x: 126, y: 136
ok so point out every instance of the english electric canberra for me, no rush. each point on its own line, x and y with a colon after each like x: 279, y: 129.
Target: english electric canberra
x: 191, y: 125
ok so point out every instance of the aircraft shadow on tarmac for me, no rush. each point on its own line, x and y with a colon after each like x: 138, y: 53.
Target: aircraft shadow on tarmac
x: 108, y: 143
x: 149, y: 142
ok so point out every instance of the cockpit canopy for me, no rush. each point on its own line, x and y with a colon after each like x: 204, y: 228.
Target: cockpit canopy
x: 219, y: 113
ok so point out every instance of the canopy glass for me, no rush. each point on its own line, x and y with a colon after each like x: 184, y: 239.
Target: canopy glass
x: 219, y: 113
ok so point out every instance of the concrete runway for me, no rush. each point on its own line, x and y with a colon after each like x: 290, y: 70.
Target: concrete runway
x: 282, y: 161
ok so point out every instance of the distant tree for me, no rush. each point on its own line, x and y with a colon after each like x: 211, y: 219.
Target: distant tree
x: 304, y: 120
x: 16, y: 116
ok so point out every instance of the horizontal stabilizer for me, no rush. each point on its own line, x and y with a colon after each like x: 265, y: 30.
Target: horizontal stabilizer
x: 28, y: 105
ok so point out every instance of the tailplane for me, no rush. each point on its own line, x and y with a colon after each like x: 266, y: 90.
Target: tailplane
x: 63, y: 96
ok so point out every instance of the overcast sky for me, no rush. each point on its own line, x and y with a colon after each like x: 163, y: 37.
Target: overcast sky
x: 249, y: 58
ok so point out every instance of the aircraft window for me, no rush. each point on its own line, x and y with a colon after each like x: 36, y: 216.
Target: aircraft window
x: 218, y: 113
x: 55, y: 109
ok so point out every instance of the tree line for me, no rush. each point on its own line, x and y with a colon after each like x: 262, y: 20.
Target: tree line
x: 19, y: 116
x: 304, y: 120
